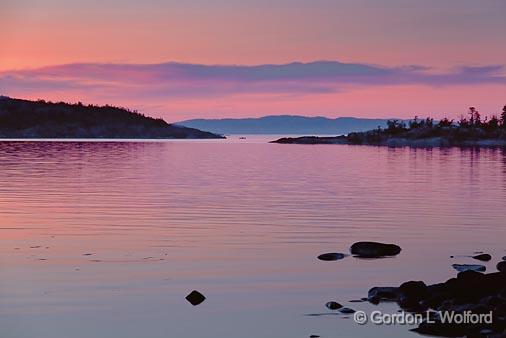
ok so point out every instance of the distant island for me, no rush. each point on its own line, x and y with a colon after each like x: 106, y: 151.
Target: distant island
x: 468, y: 131
x: 285, y: 124
x: 41, y: 119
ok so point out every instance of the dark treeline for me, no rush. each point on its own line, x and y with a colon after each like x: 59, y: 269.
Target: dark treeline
x: 469, y: 128
x: 34, y: 119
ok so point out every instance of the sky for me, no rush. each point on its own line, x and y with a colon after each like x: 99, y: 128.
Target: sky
x: 203, y: 58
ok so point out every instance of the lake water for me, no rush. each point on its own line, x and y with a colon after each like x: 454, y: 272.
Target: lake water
x: 105, y: 239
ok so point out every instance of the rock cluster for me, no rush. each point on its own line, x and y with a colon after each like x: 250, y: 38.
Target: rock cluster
x: 470, y: 291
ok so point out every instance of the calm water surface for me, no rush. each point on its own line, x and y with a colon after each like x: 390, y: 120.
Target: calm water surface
x: 104, y: 239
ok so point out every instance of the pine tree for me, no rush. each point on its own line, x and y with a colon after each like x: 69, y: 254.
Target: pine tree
x: 503, y: 117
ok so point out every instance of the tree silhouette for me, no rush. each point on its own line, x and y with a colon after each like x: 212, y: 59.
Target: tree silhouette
x: 445, y: 123
x: 475, y: 117
x: 503, y: 117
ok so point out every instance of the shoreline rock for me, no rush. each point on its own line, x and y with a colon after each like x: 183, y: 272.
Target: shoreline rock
x: 374, y: 249
x: 470, y: 291
x: 483, y: 257
x: 331, y: 256
x: 333, y: 305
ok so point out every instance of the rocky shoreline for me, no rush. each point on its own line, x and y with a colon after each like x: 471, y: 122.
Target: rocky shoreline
x: 391, y: 141
x: 470, y: 294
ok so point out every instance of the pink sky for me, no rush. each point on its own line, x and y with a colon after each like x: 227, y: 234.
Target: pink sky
x: 435, y: 34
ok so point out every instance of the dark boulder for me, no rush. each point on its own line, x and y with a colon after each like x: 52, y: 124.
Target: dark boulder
x: 411, y: 293
x: 469, y: 275
x: 374, y: 249
x: 195, y: 298
x: 333, y: 305
x: 483, y: 257
x: 413, y: 289
x: 331, y: 256
x: 471, y: 290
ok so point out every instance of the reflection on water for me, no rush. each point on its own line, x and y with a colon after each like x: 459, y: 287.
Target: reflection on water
x: 104, y: 239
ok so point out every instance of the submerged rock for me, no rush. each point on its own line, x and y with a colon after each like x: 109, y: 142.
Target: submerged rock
x: 195, y: 298
x: 469, y: 267
x: 361, y: 300
x: 333, y: 305
x: 483, y: 257
x: 346, y: 310
x: 374, y: 249
x: 331, y: 256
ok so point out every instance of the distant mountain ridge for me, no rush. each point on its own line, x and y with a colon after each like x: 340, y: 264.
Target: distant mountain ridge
x: 285, y: 124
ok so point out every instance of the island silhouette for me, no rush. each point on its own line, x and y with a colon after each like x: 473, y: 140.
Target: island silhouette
x: 470, y: 130
x: 43, y: 119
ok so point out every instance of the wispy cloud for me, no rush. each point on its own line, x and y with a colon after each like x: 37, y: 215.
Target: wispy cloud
x: 173, y: 88
x: 177, y: 79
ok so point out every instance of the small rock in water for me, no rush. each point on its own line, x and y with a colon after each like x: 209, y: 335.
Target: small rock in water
x: 333, y: 305
x: 195, y: 298
x: 346, y: 310
x: 331, y: 256
x: 314, y: 336
x: 374, y: 249
x: 504, y: 258
x: 501, y: 266
x: 483, y: 257
x: 467, y: 267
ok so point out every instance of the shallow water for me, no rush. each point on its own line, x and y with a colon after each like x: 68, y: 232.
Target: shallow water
x: 105, y: 239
